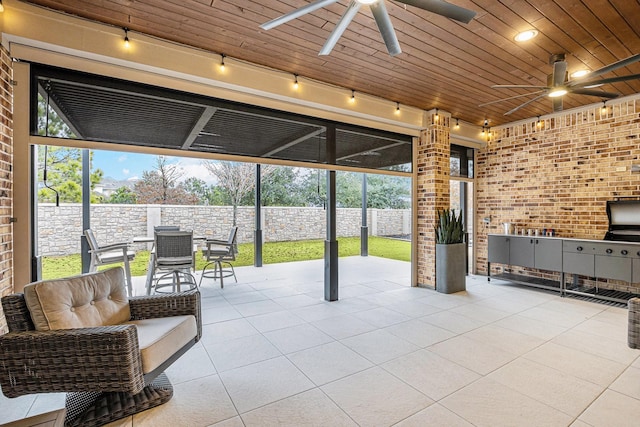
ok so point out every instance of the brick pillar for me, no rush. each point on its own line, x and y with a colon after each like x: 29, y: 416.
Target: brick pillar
x: 6, y: 178
x: 433, y: 168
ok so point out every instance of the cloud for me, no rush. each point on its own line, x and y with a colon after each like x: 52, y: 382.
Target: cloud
x: 126, y: 171
x: 193, y: 168
x: 122, y: 158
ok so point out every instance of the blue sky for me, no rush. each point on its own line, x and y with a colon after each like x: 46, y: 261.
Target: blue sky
x: 125, y: 166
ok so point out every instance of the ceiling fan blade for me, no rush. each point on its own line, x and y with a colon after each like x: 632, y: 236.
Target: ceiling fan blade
x: 318, y: 4
x: 525, y: 104
x: 509, y: 98
x: 559, y: 73
x: 609, y: 80
x: 443, y: 8
x: 557, y: 103
x: 608, y: 68
x: 385, y: 26
x: 519, y: 87
x: 340, y: 27
x: 592, y: 92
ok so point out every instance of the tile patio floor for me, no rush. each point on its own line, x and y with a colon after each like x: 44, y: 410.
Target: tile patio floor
x: 274, y: 353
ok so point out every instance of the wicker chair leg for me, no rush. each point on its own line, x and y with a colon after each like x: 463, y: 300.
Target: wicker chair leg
x: 633, y: 327
x: 97, y: 409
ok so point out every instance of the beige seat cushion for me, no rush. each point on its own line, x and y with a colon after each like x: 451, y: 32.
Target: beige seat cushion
x: 160, y: 338
x: 88, y: 300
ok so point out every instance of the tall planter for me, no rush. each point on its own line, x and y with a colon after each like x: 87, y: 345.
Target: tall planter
x: 451, y: 267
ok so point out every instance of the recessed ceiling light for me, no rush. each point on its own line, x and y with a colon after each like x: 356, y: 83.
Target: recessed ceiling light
x: 579, y: 73
x: 525, y: 35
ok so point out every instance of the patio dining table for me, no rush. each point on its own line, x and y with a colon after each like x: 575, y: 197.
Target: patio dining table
x: 152, y: 257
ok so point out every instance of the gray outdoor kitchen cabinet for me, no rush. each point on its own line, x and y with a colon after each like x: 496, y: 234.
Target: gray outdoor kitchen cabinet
x: 499, y: 249
x: 526, y: 251
x: 578, y: 258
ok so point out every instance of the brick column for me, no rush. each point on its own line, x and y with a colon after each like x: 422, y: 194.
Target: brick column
x: 6, y: 178
x: 433, y: 168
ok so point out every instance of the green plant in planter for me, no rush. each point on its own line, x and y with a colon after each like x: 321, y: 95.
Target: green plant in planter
x: 449, y: 228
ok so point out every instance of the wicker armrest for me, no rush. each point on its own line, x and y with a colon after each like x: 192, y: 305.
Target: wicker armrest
x: 167, y: 305
x: 105, y: 358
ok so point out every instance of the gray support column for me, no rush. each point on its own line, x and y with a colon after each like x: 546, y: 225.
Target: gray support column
x: 36, y: 258
x: 257, y: 240
x: 331, y: 244
x: 86, y: 209
x: 364, y: 229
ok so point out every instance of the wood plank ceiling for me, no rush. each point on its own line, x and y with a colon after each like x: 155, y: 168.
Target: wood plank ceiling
x: 444, y: 64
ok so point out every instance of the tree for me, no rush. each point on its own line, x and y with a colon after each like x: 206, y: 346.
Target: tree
x: 388, y: 192
x: 64, y: 174
x: 123, y: 195
x: 206, y: 194
x: 282, y: 187
x: 168, y: 173
x: 150, y: 189
x: 236, y: 179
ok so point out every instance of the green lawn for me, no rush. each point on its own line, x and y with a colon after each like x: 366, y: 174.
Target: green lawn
x: 272, y: 253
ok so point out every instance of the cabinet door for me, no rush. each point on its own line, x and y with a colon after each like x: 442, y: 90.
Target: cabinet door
x: 548, y: 254
x: 613, y: 267
x: 635, y: 276
x: 578, y: 263
x: 498, y: 249
x: 521, y: 251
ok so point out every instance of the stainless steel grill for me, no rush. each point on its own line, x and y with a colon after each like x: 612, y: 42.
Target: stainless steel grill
x: 624, y: 220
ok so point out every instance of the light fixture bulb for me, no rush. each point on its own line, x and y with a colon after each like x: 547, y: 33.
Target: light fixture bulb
x: 435, y: 116
x: 397, y: 112
x: 457, y: 126
x: 604, y: 107
x: 525, y: 35
x: 296, y: 85
x: 222, y: 66
x: 353, y: 96
x: 557, y: 92
x: 126, y: 38
x: 483, y: 130
x: 579, y: 73
x: 1, y: 7
x: 539, y: 123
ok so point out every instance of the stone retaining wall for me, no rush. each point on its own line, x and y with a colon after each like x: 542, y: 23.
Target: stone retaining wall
x: 60, y: 228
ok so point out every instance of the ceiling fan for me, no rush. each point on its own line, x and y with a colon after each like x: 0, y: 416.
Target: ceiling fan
x: 380, y: 15
x: 558, y: 83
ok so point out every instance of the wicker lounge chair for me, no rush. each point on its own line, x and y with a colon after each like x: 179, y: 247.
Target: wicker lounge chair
x: 83, y: 336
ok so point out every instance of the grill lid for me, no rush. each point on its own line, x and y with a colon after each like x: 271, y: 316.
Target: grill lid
x: 624, y: 220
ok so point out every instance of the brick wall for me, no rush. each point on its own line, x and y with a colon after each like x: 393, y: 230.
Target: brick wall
x: 6, y: 150
x: 432, y: 189
x: 559, y: 173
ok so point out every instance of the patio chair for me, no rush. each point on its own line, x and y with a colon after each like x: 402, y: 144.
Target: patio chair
x: 110, y: 254
x: 157, y: 228
x: 217, y: 253
x: 83, y: 336
x: 174, y: 260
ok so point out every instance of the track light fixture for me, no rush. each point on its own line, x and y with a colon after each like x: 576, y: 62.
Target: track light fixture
x: 296, y: 85
x: 397, y: 108
x: 457, y: 126
x: 222, y: 66
x: 486, y: 123
x: 126, y: 38
x: 603, y: 110
x: 353, y: 96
